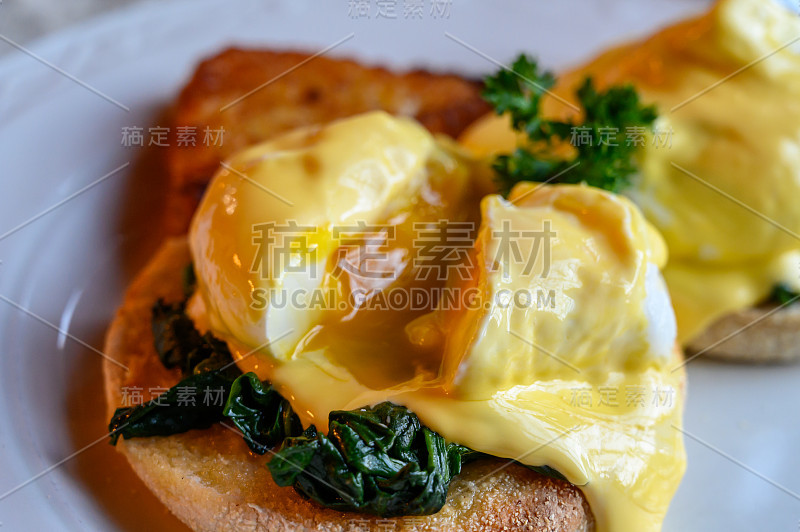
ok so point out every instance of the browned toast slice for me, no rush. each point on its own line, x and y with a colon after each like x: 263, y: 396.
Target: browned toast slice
x: 254, y: 95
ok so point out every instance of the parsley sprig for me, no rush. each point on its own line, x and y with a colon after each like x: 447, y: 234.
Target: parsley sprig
x: 602, y: 153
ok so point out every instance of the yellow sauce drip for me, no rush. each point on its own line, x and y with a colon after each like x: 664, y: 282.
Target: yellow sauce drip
x: 532, y: 383
x: 740, y: 136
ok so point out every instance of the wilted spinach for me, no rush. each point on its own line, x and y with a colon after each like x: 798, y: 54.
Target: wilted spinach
x: 179, y: 344
x: 379, y: 460
x: 188, y: 280
x: 262, y: 414
x: 782, y: 294
x: 197, y: 401
x: 193, y: 403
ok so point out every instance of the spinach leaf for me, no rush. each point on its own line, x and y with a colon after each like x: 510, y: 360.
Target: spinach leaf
x: 176, y: 339
x: 782, y: 294
x: 547, y: 472
x: 179, y: 344
x: 189, y: 280
x: 264, y: 417
x: 194, y: 403
x: 378, y: 460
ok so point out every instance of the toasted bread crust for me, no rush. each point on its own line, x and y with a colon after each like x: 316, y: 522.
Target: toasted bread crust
x: 765, y: 334
x: 210, y: 480
x: 255, y: 95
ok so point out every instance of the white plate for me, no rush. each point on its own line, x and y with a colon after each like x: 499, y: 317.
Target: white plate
x: 70, y: 265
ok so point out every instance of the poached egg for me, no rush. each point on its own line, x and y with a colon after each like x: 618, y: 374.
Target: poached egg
x: 550, y: 341
x: 720, y: 176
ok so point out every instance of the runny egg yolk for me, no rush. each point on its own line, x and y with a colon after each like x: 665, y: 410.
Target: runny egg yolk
x: 720, y: 176
x: 300, y: 234
x: 549, y: 341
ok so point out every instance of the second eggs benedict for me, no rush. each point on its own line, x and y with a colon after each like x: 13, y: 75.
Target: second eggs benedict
x: 719, y: 177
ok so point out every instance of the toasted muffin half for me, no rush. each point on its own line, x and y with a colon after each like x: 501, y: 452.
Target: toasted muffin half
x: 766, y: 334
x: 212, y: 481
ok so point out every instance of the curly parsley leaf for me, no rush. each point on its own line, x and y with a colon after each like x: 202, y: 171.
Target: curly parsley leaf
x: 602, y: 146
x: 518, y: 92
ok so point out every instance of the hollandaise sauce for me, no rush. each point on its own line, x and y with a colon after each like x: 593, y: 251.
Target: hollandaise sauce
x: 554, y: 347
x: 720, y: 174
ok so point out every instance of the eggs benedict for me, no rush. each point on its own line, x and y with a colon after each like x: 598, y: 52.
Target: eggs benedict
x: 547, y: 339
x: 718, y: 176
